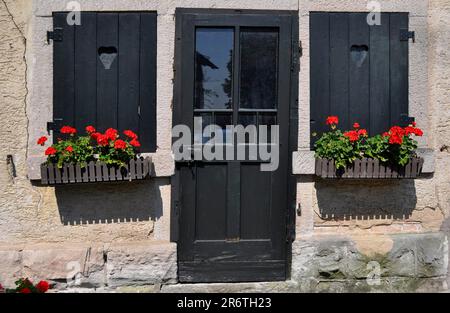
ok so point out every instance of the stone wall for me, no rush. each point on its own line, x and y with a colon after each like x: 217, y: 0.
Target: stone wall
x: 119, y: 233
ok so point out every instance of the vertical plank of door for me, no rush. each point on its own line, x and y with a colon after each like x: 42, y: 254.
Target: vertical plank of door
x: 319, y: 75
x: 359, y: 73
x: 63, y: 72
x: 398, y: 67
x: 233, y: 200
x: 107, y: 80
x: 339, y: 62
x: 128, y: 57
x: 379, y: 76
x: 86, y: 57
x: 147, y: 89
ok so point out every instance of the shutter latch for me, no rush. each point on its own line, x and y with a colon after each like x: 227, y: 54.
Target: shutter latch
x: 55, y: 35
x: 405, y: 35
x: 54, y: 125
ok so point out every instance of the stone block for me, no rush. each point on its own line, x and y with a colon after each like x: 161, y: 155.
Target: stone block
x: 303, y: 162
x: 76, y: 266
x: 143, y: 264
x: 10, y: 267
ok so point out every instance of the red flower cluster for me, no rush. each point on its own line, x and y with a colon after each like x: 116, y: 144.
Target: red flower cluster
x: 135, y: 143
x: 397, y: 133
x: 130, y: 134
x: 26, y: 286
x: 354, y: 135
x: 90, y: 129
x: 120, y: 144
x: 111, y: 133
x: 332, y: 120
x: 50, y: 151
x: 68, y: 130
x: 69, y: 149
x: 41, y: 141
x: 43, y: 286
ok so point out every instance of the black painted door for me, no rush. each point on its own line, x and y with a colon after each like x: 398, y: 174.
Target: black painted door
x: 234, y: 68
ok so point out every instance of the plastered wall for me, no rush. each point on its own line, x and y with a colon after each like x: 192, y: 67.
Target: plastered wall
x: 136, y: 212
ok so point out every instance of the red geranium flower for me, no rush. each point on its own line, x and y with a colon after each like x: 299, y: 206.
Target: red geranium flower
x: 356, y: 125
x: 332, y: 120
x: 42, y: 286
x: 25, y: 290
x: 385, y: 134
x: 95, y: 135
x: 90, y: 129
x: 397, y: 130
x: 414, y: 124
x: 120, y: 144
x: 396, y: 139
x: 68, y: 130
x: 69, y: 149
x: 50, y: 151
x: 41, y: 141
x: 111, y: 133
x: 352, y: 135
x: 135, y: 143
x: 102, y: 140
x: 362, y: 132
x: 130, y: 134
x: 418, y: 132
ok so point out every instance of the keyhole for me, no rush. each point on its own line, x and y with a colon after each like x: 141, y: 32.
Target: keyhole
x: 359, y: 54
x: 107, y: 56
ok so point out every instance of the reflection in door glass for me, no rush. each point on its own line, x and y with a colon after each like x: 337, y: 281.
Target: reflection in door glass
x: 213, y: 67
x: 259, y: 49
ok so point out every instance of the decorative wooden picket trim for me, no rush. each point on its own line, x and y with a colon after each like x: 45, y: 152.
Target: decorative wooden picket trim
x: 369, y: 169
x: 95, y: 172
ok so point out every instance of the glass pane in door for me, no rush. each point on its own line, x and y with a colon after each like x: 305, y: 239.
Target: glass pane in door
x: 259, y: 54
x: 213, y: 67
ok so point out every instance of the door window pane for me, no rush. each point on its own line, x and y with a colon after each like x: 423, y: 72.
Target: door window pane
x: 213, y: 67
x: 259, y: 50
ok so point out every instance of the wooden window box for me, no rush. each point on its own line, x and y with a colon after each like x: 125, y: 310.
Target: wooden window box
x: 95, y: 172
x: 369, y: 169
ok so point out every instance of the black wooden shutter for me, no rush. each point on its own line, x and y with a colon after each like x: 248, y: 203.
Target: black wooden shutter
x: 104, y: 73
x: 358, y: 72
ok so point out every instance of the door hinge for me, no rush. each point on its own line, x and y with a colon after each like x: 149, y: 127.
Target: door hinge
x: 405, y: 35
x: 54, y: 125
x: 290, y: 236
x: 55, y: 35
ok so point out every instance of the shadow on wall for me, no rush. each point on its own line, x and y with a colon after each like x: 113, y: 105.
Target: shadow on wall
x: 341, y: 200
x: 106, y: 203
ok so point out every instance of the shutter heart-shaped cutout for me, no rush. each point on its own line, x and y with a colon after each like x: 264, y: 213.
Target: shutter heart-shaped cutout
x: 359, y: 54
x: 107, y: 55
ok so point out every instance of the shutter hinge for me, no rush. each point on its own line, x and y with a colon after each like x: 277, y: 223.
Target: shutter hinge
x: 55, y: 35
x: 300, y: 49
x: 405, y: 35
x: 54, y: 125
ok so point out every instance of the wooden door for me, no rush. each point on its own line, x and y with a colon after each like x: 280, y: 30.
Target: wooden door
x: 234, y: 68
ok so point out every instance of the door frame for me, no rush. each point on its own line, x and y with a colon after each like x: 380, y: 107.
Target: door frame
x: 293, y: 116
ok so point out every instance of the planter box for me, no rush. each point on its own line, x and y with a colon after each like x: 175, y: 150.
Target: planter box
x: 369, y: 168
x: 95, y: 172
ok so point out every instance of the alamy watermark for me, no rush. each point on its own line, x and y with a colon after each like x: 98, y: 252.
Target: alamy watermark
x: 229, y: 143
